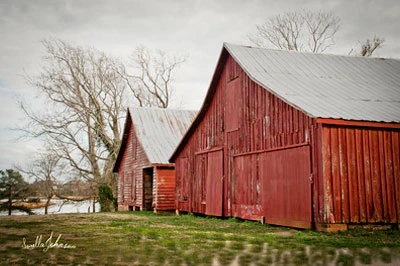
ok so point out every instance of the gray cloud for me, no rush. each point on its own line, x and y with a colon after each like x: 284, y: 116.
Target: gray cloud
x: 194, y: 28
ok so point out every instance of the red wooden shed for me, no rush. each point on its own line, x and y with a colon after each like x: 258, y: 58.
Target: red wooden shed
x: 146, y: 179
x: 295, y: 139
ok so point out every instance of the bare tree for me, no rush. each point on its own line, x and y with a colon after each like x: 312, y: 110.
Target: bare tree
x: 151, y: 82
x: 45, y: 168
x: 368, y: 47
x: 299, y: 31
x: 84, y: 94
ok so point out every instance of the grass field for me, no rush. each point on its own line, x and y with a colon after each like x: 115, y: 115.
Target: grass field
x: 136, y: 238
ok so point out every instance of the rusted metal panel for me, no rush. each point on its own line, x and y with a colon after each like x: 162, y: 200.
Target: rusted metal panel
x: 362, y: 164
x: 286, y: 187
x: 214, y: 183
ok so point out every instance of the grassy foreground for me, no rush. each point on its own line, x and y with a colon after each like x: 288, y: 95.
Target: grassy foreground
x: 147, y: 239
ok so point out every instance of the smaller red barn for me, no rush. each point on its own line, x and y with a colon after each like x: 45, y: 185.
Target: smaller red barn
x: 146, y: 180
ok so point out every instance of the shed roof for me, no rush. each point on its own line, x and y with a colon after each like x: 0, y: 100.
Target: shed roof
x: 320, y: 85
x: 158, y: 131
x: 326, y: 86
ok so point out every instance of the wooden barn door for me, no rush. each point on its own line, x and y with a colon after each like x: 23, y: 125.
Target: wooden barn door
x: 286, y: 187
x: 182, y: 181
x: 214, y: 183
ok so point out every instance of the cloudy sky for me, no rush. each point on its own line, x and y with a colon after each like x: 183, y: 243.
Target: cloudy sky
x: 196, y: 29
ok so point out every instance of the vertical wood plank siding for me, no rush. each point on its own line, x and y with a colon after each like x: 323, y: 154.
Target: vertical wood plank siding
x: 361, y: 174
x: 130, y: 173
x: 355, y: 169
x: 164, y: 189
x: 241, y: 117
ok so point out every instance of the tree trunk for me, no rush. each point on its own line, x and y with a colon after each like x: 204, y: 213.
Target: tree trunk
x: 10, y: 199
x: 9, y: 206
x: 94, y: 204
x: 47, y: 205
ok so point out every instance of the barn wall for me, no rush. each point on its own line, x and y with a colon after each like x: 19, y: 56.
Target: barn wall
x: 164, y: 189
x: 130, y: 173
x: 361, y: 170
x: 183, y: 181
x: 241, y: 118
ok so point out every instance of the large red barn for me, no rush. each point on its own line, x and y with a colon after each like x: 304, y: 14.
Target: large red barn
x: 295, y: 139
x: 146, y: 179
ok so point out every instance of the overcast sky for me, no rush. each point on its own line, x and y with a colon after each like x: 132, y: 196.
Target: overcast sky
x: 196, y: 29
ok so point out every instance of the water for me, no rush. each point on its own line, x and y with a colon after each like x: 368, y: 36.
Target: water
x: 62, y: 206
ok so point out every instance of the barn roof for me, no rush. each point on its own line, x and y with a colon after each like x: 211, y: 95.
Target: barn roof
x: 158, y: 131
x: 320, y: 85
x: 326, y: 86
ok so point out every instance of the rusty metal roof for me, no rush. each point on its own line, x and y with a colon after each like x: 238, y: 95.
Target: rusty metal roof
x: 326, y: 86
x: 160, y: 130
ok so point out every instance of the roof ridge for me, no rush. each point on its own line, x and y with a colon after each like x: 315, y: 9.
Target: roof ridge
x: 227, y: 45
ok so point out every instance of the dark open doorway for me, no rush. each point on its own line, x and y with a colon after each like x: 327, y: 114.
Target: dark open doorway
x: 147, y: 189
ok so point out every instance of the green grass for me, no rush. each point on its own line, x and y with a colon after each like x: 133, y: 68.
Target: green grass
x: 143, y: 238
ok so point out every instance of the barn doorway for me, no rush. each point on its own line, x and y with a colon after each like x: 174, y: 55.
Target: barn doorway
x: 148, y: 189
x: 286, y: 186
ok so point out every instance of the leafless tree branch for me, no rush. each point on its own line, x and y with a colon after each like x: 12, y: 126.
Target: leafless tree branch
x: 151, y: 82
x: 368, y: 47
x: 299, y: 31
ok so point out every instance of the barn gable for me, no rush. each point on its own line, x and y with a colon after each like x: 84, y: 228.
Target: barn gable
x: 321, y: 86
x: 145, y: 178
x: 157, y: 130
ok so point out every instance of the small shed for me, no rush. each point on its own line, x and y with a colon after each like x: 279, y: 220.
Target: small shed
x: 146, y: 179
x: 295, y: 139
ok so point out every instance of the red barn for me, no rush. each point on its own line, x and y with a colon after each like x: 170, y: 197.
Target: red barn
x: 146, y: 179
x: 295, y: 139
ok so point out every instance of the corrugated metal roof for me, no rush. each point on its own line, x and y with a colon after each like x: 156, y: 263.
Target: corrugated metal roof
x: 326, y: 86
x: 160, y: 130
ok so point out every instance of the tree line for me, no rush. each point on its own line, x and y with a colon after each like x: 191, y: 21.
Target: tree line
x: 86, y: 92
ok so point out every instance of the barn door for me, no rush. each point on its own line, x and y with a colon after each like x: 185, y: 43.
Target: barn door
x: 286, y: 187
x: 214, y: 184
x: 182, y: 181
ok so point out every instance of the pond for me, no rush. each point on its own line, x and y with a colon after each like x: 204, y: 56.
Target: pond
x: 62, y: 206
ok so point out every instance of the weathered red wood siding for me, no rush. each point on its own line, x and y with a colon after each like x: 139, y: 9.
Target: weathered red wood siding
x: 183, y: 181
x: 361, y: 173
x: 354, y: 169
x: 130, y: 173
x: 164, y: 189
x: 241, y: 118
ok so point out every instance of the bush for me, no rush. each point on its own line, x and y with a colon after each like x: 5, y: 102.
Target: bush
x: 106, y: 198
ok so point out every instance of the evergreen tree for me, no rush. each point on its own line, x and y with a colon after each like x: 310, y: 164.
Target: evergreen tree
x: 12, y: 187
